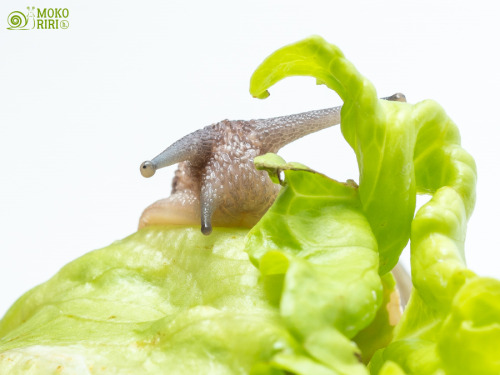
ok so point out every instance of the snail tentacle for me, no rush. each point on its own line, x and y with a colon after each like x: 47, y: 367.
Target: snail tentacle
x: 193, y: 147
x: 277, y: 132
x: 208, y: 206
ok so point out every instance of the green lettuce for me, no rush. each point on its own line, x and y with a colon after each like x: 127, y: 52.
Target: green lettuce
x: 308, y: 290
x: 170, y: 300
x: 164, y: 300
x: 319, y: 262
x: 453, y: 318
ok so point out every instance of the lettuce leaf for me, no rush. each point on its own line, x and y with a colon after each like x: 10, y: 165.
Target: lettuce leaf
x: 376, y: 129
x: 318, y: 258
x: 170, y: 300
x: 453, y: 315
x: 164, y: 300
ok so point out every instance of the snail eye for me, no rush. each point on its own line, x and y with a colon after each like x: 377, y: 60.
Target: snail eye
x: 147, y: 169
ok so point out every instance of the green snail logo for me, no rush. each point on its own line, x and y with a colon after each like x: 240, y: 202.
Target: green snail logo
x: 45, y: 19
x: 19, y: 21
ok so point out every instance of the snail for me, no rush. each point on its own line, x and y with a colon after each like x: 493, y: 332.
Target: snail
x: 216, y: 182
x: 19, y: 21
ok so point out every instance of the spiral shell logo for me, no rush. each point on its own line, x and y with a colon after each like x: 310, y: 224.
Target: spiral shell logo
x: 19, y: 21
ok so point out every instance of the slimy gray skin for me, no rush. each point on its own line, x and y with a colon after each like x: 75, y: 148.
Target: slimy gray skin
x: 216, y: 182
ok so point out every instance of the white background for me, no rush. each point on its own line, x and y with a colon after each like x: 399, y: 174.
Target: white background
x: 81, y: 108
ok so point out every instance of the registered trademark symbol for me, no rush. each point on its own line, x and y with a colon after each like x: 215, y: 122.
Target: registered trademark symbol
x: 64, y: 24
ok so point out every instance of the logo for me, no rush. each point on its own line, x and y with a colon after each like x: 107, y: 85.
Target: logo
x: 44, y: 19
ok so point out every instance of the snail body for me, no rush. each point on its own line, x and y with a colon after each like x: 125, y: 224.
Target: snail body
x: 216, y: 182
